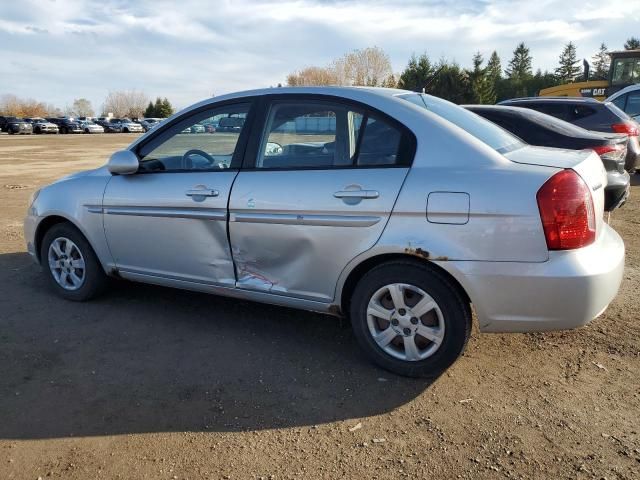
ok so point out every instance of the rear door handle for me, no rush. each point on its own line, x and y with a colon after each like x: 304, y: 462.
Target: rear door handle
x: 202, y: 193
x: 357, y: 194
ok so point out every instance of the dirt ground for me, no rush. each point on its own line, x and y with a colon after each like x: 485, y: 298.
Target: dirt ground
x: 152, y: 383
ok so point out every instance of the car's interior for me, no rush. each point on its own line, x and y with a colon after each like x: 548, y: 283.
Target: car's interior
x: 316, y: 136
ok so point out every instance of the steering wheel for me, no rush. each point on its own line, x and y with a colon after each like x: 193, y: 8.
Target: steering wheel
x: 187, y: 164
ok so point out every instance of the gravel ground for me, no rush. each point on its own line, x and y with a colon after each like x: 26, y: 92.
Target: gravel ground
x: 154, y: 383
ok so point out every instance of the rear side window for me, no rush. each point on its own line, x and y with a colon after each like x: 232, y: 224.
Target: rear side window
x: 581, y: 111
x: 484, y: 130
x: 558, y: 110
x: 318, y: 134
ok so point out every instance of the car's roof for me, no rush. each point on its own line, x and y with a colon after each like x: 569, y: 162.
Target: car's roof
x: 630, y: 88
x: 542, y: 120
x: 318, y: 90
x: 551, y: 100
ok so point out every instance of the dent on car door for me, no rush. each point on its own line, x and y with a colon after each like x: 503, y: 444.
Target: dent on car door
x: 319, y: 190
x: 169, y: 220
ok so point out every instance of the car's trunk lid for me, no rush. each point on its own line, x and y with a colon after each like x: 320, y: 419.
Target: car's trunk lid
x: 584, y: 162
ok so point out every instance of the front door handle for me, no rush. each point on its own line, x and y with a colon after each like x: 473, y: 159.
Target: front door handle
x: 205, y: 192
x: 357, y: 194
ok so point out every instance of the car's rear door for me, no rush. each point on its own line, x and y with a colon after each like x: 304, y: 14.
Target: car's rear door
x: 317, y: 190
x: 168, y: 222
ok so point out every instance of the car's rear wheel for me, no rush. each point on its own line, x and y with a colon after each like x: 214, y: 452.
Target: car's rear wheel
x: 70, y: 264
x: 126, y: 130
x: 410, y: 318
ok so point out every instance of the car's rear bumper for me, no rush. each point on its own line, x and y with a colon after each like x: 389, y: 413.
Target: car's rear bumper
x: 617, y: 190
x: 632, y: 160
x: 569, y: 290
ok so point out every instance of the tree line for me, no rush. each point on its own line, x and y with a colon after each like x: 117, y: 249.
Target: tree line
x: 120, y: 103
x: 484, y: 83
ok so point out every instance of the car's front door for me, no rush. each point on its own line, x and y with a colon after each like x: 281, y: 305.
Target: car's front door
x: 169, y: 220
x: 318, y: 189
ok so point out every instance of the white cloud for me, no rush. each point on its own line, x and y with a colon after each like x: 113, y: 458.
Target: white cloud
x: 58, y: 50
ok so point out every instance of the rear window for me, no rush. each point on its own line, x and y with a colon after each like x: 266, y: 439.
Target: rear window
x: 484, y: 130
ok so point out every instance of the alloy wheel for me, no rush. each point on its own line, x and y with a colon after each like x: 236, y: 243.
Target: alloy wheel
x: 66, y: 264
x: 405, y: 322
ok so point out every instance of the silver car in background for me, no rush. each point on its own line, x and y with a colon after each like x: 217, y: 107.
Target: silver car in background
x: 347, y: 201
x: 89, y: 126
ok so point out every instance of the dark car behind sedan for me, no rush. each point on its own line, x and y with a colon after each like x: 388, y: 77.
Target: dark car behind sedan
x: 66, y: 125
x: 14, y: 125
x: 543, y: 130
x: 590, y: 114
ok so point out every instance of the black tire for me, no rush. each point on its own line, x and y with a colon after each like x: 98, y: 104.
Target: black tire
x: 456, y: 314
x: 126, y: 130
x: 95, y: 280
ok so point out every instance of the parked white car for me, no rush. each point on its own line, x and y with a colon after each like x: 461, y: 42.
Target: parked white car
x: 379, y: 210
x: 90, y: 127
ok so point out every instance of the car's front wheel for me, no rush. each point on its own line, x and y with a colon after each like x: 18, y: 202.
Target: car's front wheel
x: 70, y: 264
x: 410, y: 318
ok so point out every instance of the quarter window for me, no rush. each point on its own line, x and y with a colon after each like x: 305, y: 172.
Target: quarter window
x: 204, y: 141
x: 328, y: 135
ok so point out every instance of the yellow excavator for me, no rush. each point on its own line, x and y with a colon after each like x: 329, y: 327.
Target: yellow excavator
x: 623, y: 71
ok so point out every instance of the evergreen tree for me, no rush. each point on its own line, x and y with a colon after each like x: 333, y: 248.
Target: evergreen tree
x: 601, y: 63
x: 157, y: 108
x: 519, y: 68
x: 494, y: 67
x: 632, y: 43
x: 166, y: 109
x: 417, y: 73
x: 482, y: 86
x: 451, y: 83
x: 150, y: 112
x: 568, y: 69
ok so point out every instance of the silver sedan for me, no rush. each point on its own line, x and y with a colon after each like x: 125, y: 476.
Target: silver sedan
x: 358, y: 202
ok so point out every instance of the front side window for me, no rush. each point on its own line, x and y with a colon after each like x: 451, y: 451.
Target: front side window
x: 311, y: 134
x: 188, y: 145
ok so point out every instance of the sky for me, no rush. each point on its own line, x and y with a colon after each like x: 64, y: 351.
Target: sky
x: 58, y: 50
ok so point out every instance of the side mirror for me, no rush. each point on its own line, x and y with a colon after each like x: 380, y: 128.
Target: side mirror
x: 123, y: 162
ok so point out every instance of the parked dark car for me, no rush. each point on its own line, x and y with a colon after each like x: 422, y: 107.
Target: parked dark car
x: 591, y: 114
x: 15, y: 125
x: 66, y: 125
x: 40, y: 125
x: 543, y: 130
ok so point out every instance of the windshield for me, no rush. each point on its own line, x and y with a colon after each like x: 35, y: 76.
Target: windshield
x: 489, y: 133
x: 625, y: 71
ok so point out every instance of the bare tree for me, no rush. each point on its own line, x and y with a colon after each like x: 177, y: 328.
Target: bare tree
x: 20, y: 107
x: 82, y: 108
x: 369, y: 67
x: 126, y: 103
x: 312, y: 76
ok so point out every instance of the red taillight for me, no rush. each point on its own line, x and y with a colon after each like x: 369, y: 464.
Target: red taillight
x: 625, y: 127
x: 611, y: 152
x: 567, y: 213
